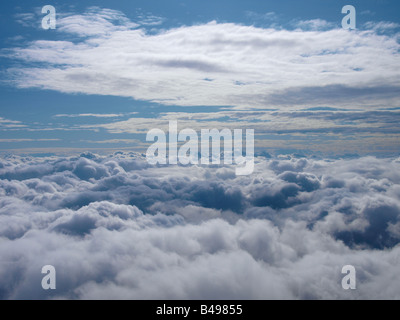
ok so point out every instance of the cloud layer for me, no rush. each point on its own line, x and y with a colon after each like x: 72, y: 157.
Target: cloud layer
x: 217, y: 64
x: 115, y: 227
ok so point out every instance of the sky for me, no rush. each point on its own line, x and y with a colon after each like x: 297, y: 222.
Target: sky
x: 113, y: 70
x: 77, y: 192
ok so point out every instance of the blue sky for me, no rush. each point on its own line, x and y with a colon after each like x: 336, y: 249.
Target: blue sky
x: 112, y: 70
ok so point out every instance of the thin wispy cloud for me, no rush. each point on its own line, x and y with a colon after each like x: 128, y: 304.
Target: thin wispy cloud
x: 95, y: 115
x: 113, y: 141
x: 96, y: 22
x: 382, y: 25
x: 27, y: 19
x: 6, y: 124
x: 25, y: 140
x: 314, y: 25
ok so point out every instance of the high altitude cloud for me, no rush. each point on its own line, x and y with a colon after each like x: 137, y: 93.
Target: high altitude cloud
x: 214, y: 63
x: 115, y: 227
x: 6, y: 124
x: 330, y: 131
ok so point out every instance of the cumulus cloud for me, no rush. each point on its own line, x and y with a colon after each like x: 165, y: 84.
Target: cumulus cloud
x: 116, y: 228
x: 214, y: 63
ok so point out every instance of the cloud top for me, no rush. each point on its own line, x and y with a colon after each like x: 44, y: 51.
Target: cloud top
x: 117, y: 228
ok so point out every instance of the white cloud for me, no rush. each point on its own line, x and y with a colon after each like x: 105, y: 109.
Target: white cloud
x: 127, y: 141
x: 6, y: 124
x: 6, y: 121
x: 115, y: 227
x: 95, y: 115
x: 148, y: 19
x: 329, y: 132
x: 315, y: 24
x: 95, y: 22
x: 26, y: 19
x: 249, y: 66
x: 27, y: 140
x: 381, y: 25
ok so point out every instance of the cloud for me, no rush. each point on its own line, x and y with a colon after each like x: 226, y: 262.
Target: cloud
x: 27, y: 140
x: 381, y: 25
x: 249, y: 66
x: 149, y: 19
x: 27, y: 19
x: 331, y: 132
x: 268, y: 16
x: 95, y: 22
x: 263, y: 121
x: 116, y: 228
x: 112, y: 141
x: 95, y: 115
x: 342, y: 93
x: 268, y: 19
x: 6, y: 124
x: 314, y: 25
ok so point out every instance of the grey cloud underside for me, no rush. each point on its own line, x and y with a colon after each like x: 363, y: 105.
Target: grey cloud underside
x: 386, y: 117
x: 191, y: 64
x: 346, y: 96
x: 115, y: 227
x: 339, y: 93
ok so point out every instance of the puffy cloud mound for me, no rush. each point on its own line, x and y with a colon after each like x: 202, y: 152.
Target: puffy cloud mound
x: 116, y: 228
